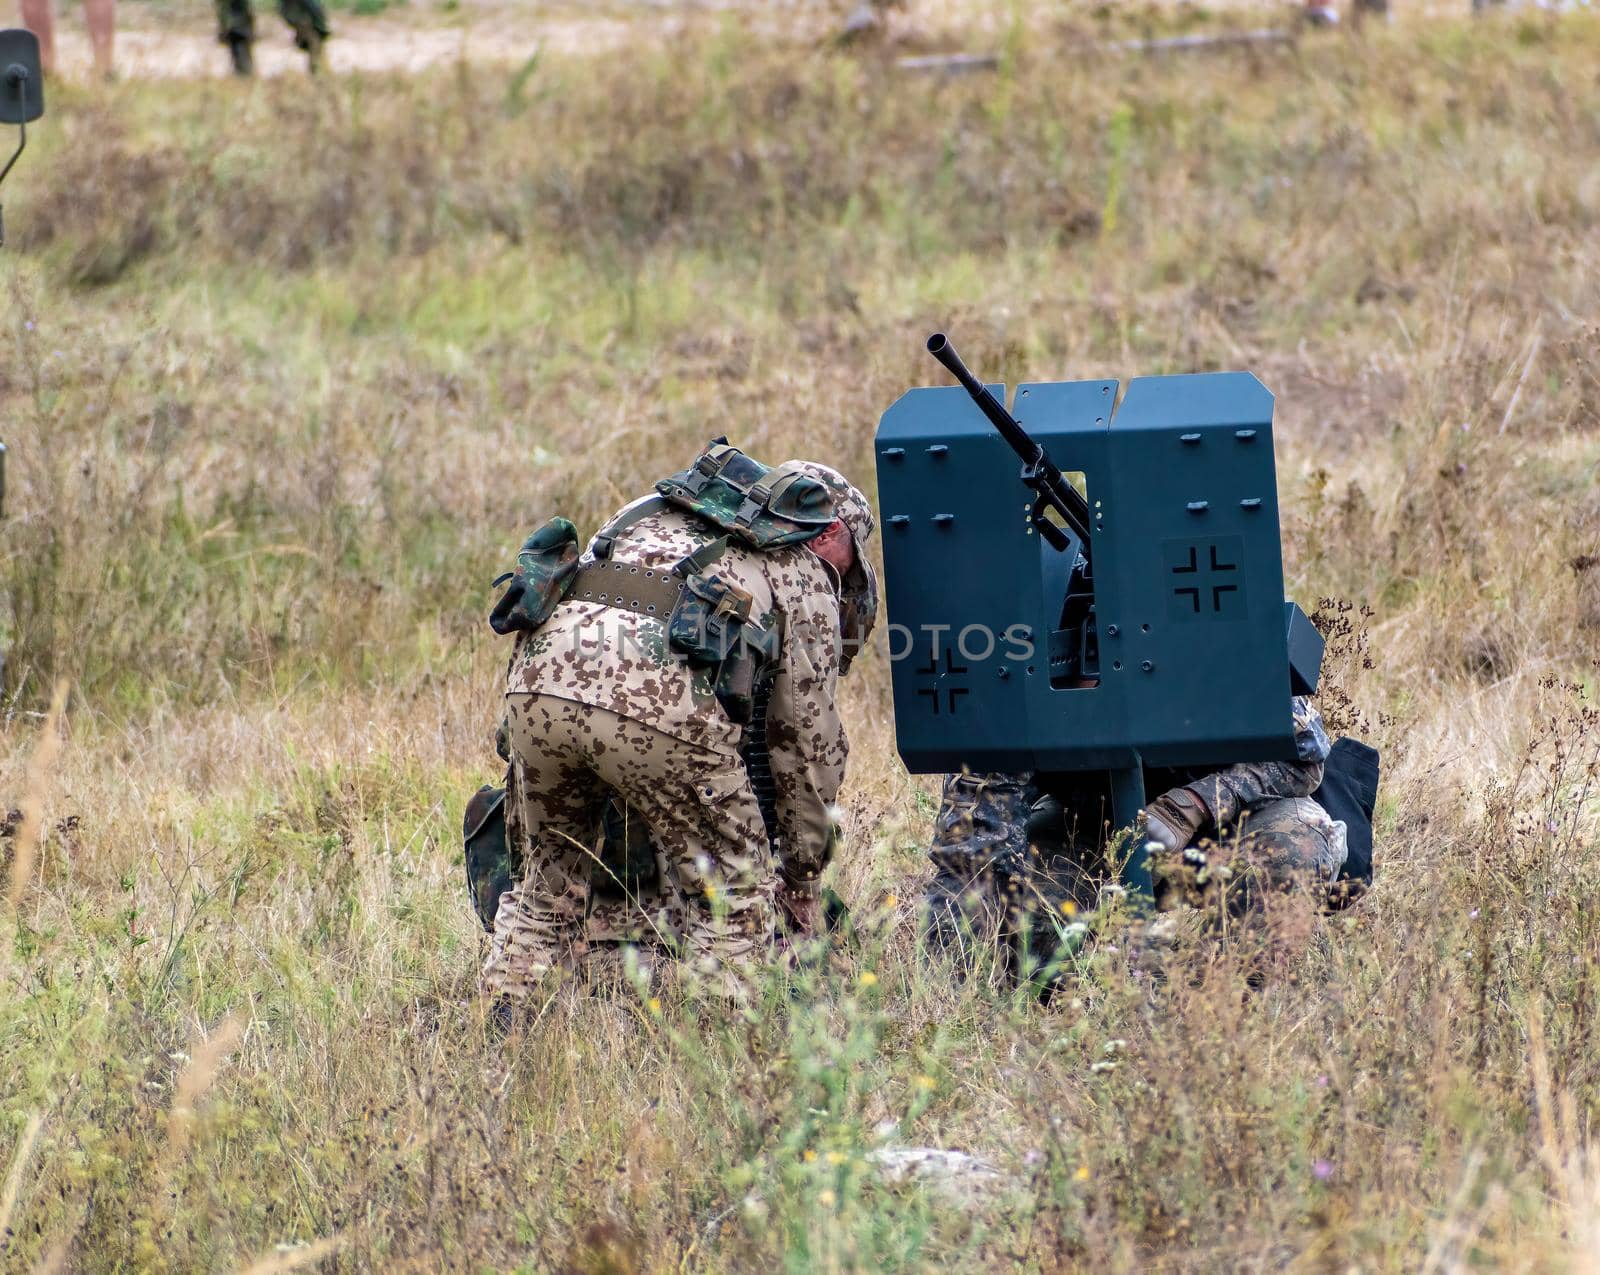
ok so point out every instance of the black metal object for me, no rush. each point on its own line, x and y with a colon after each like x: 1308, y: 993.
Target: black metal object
x: 757, y: 758
x: 21, y: 100
x: 21, y: 77
x: 1074, y: 643
x: 21, y: 92
x: 1305, y: 651
x: 1051, y: 490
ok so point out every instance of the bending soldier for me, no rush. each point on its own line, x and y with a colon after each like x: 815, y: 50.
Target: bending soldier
x: 236, y: 27
x: 609, y: 708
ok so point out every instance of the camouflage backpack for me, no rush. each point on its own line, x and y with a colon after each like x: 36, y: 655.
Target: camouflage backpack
x: 764, y: 506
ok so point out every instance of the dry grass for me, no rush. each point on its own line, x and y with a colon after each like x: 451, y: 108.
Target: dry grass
x: 287, y: 373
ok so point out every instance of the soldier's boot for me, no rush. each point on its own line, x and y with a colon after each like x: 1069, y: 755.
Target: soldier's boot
x: 960, y: 911
x: 311, y: 40
x: 1048, y: 910
x: 1027, y: 935
x: 239, y: 49
x: 502, y: 1017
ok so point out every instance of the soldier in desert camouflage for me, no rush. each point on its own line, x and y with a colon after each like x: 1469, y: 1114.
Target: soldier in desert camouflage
x: 605, y: 713
x: 1004, y: 844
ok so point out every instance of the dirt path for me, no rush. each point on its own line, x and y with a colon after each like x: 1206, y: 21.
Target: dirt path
x: 182, y: 45
x: 360, y: 44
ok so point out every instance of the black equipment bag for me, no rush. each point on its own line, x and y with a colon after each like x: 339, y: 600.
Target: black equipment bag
x: 1349, y: 792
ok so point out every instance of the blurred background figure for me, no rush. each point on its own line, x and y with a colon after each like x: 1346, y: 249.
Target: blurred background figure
x: 236, y: 27
x: 1325, y: 13
x: 100, y: 16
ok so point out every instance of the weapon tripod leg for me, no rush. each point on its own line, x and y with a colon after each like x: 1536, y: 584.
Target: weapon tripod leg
x: 1127, y: 804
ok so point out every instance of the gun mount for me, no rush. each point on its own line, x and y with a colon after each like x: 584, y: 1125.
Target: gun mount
x: 1011, y: 653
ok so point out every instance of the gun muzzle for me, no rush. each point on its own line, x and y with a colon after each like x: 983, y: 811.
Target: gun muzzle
x: 1029, y: 451
x: 939, y: 346
x: 1038, y: 472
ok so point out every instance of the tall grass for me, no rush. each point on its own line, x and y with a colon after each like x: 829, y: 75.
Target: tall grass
x: 289, y: 371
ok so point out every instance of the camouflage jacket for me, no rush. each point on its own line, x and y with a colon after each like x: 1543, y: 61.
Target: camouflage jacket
x: 1234, y: 790
x: 619, y: 660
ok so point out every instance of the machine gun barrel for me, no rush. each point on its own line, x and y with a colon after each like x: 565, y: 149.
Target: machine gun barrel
x: 1052, y: 491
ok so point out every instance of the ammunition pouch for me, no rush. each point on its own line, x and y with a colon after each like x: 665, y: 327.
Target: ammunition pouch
x: 706, y: 623
x: 712, y: 628
x: 546, y: 567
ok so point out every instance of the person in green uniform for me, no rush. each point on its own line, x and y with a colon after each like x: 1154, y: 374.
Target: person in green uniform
x: 236, y: 27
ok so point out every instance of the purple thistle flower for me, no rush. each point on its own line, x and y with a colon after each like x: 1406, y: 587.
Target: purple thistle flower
x: 1322, y: 1170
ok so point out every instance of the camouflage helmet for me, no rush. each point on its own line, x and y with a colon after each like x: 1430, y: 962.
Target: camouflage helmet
x: 859, y: 601
x: 848, y: 503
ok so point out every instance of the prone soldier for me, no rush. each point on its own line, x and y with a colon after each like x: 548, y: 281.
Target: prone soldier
x: 1005, y: 846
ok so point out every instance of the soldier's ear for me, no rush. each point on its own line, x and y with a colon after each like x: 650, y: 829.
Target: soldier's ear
x: 836, y: 547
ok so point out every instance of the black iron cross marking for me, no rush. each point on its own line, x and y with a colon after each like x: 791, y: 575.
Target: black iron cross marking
x: 1196, y: 591
x: 951, y: 669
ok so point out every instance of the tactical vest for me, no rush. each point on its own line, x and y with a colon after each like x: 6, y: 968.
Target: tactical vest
x: 709, y: 620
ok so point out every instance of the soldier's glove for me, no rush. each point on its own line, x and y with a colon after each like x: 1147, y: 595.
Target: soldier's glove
x: 800, y: 909
x: 1174, y: 818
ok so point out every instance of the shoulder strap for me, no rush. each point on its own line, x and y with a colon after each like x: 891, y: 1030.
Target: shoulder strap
x: 700, y: 559
x: 606, y: 538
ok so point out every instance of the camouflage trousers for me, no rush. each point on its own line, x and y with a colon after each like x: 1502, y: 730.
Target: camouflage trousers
x: 1285, y: 845
x: 711, y: 902
x: 236, y: 20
